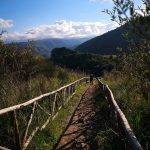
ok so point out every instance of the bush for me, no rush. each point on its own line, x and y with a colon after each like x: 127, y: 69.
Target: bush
x: 24, y: 76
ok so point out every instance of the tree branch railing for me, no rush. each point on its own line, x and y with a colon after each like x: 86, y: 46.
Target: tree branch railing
x: 20, y: 123
x: 122, y: 126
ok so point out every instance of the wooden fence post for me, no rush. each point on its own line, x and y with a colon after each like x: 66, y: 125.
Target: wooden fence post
x: 29, y: 123
x: 50, y: 104
x: 16, y: 131
x: 60, y: 95
x: 64, y: 95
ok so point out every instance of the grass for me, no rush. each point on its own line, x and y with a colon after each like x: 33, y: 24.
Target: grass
x: 105, y: 137
x: 23, y: 77
x: 14, y: 91
x: 46, y: 139
x: 133, y: 104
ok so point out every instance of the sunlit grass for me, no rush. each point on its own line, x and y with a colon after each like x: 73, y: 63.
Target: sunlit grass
x: 49, y: 136
x: 133, y: 104
x: 15, y: 91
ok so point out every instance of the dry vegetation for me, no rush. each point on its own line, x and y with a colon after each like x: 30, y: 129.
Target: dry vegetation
x: 23, y: 76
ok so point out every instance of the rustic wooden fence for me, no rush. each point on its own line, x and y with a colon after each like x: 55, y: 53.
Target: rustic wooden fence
x: 125, y: 136
x: 20, y: 123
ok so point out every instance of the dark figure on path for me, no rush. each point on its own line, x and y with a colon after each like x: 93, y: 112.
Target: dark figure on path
x: 91, y: 79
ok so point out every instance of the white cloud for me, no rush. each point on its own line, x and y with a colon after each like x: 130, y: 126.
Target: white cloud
x: 63, y: 29
x: 139, y: 12
x: 6, y: 23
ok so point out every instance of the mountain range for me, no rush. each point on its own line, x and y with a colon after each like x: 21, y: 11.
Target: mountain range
x: 44, y: 47
x: 105, y: 44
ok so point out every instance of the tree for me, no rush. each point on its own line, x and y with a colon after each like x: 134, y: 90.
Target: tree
x: 125, y: 13
x: 136, y: 63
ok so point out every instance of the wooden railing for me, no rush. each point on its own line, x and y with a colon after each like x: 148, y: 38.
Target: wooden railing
x: 121, y: 125
x: 20, y: 123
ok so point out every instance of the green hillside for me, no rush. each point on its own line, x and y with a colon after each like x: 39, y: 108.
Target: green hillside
x: 89, y: 63
x: 105, y: 44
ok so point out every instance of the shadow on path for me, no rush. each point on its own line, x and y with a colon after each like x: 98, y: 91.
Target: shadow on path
x: 83, y: 126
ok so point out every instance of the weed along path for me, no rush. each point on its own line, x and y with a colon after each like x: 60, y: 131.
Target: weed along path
x: 85, y: 124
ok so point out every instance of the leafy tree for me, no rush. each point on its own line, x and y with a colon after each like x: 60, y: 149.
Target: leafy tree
x: 124, y: 12
x: 136, y: 62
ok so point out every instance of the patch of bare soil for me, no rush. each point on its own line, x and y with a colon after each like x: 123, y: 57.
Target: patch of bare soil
x: 83, y: 125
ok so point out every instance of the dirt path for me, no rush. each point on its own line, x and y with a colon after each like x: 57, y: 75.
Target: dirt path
x: 83, y: 125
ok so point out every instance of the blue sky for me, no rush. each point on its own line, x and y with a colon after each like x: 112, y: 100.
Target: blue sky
x: 82, y: 17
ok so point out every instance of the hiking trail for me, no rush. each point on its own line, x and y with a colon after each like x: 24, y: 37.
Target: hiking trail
x: 83, y: 125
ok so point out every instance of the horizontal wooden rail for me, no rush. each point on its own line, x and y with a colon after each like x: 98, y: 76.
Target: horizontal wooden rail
x: 3, y: 148
x: 121, y: 119
x: 19, y: 106
x: 48, y: 105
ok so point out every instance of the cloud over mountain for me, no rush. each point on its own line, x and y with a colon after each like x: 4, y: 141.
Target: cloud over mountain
x: 63, y: 29
x: 6, y: 23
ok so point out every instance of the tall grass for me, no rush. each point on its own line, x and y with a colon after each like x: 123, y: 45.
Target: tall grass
x: 15, y: 91
x: 46, y: 139
x: 22, y: 77
x: 134, y: 105
x: 105, y: 137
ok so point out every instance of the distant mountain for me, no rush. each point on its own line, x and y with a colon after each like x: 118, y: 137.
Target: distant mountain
x: 105, y: 44
x: 44, y: 47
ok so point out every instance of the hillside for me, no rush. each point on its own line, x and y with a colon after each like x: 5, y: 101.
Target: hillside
x: 105, y: 44
x: 89, y: 63
x: 44, y: 47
